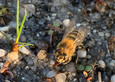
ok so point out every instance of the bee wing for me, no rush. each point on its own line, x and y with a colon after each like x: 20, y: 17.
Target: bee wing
x: 70, y: 28
x: 83, y: 32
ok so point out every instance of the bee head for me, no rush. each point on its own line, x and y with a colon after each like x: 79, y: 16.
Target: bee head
x: 60, y: 57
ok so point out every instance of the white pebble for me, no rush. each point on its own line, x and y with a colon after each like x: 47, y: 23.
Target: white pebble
x: 51, y: 74
x: 41, y: 54
x: 113, y: 78
x: 112, y: 63
x: 66, y: 22
x: 101, y: 63
x: 24, y: 50
x: 78, y: 24
x: 81, y: 53
x: 2, y: 52
x: 61, y: 77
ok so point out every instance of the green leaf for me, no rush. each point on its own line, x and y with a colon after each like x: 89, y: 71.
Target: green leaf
x: 80, y: 67
x: 56, y: 24
x: 88, y: 68
x: 50, y: 32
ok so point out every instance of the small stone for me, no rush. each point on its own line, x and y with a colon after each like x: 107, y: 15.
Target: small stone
x: 5, y: 28
x: 94, y: 31
x: 30, y: 10
x: 1, y: 65
x: 52, y: 62
x: 101, y: 63
x: 113, y: 78
x: 7, y: 81
x: 88, y: 56
x: 12, y: 57
x: 24, y: 50
x: 107, y: 35
x: 51, y: 74
x: 2, y: 52
x: 54, y: 14
x: 61, y: 77
x: 71, y: 67
x: 81, y: 53
x: 66, y: 22
x: 78, y: 24
x: 101, y: 34
x: 95, y: 16
x: 112, y: 62
x: 41, y: 54
x: 48, y: 18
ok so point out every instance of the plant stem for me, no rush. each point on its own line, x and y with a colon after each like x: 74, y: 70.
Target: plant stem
x: 17, y: 19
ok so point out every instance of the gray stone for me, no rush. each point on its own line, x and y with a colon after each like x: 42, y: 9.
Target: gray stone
x: 113, y: 78
x: 71, y: 67
x: 51, y: 74
x: 112, y: 63
x: 102, y: 64
x: 101, y: 34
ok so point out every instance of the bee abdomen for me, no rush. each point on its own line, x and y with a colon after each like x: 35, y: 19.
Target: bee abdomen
x: 73, y: 35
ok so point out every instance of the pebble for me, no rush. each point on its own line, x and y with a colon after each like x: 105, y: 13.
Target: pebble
x: 54, y: 14
x: 30, y: 10
x: 107, y: 35
x: 112, y: 62
x: 7, y: 81
x: 41, y: 54
x: 1, y: 65
x: 78, y: 24
x: 101, y: 63
x: 113, y: 78
x: 12, y: 24
x: 71, y: 67
x: 2, y: 52
x: 52, y: 62
x: 101, y: 34
x: 88, y: 56
x: 95, y: 16
x: 81, y: 53
x: 66, y: 22
x: 61, y: 77
x: 51, y: 74
x: 24, y: 50
x: 5, y: 28
x: 94, y: 31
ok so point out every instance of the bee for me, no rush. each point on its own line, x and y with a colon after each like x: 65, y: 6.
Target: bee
x: 67, y: 47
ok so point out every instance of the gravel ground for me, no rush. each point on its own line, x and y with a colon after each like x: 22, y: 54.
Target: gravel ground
x: 36, y: 64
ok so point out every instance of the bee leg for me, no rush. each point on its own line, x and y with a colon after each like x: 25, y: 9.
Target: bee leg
x: 80, y: 47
